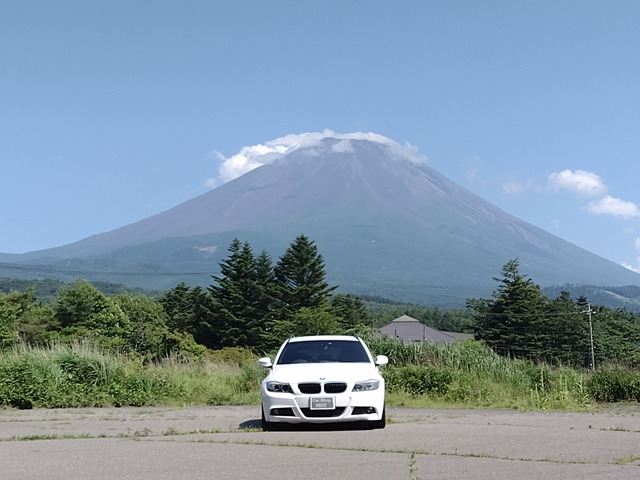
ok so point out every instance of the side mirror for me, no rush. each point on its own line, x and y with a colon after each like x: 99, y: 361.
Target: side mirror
x: 265, y: 362
x: 382, y: 360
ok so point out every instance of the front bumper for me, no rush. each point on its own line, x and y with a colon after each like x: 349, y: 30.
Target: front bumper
x: 348, y: 407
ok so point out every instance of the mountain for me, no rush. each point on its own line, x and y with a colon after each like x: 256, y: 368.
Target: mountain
x: 385, y: 222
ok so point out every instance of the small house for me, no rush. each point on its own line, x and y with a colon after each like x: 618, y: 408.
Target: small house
x: 408, y: 329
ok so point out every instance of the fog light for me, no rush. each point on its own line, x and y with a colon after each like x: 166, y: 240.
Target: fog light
x: 282, y: 412
x: 363, y: 410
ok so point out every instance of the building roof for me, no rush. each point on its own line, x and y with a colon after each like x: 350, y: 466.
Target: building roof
x: 409, y: 329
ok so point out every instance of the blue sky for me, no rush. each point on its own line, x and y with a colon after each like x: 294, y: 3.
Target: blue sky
x: 112, y: 111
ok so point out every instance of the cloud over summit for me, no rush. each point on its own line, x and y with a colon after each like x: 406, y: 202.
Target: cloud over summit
x: 257, y: 155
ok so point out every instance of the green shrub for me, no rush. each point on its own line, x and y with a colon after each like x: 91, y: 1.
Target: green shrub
x: 71, y: 376
x: 232, y: 355
x: 135, y: 389
x: 418, y: 380
x: 17, y: 386
x: 614, y: 385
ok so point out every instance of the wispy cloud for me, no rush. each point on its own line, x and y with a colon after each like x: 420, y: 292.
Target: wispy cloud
x: 580, y: 181
x: 257, y: 155
x: 515, y: 187
x: 473, y: 171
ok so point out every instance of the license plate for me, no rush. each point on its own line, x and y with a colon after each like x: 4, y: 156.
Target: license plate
x: 322, y: 403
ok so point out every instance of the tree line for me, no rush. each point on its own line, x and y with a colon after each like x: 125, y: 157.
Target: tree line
x: 519, y: 321
x: 253, y: 304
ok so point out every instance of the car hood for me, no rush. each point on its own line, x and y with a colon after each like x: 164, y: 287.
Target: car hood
x: 329, y: 372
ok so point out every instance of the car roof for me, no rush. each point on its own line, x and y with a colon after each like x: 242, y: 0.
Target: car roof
x: 324, y: 338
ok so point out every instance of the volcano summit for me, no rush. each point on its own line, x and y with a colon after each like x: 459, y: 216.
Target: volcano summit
x: 386, y: 223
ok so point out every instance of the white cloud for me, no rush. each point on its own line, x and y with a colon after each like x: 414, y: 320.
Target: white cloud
x: 343, y: 146
x: 589, y: 184
x: 579, y: 181
x: 631, y: 267
x: 609, y: 205
x: 217, y: 154
x: 257, y: 155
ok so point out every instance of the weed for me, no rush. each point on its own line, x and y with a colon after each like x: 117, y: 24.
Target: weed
x: 412, y: 467
x: 615, y: 429
x: 626, y: 460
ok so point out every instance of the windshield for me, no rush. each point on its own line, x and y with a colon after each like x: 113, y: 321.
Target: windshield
x: 320, y: 351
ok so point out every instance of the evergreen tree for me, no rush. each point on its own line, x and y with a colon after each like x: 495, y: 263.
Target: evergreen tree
x: 513, y: 323
x: 265, y: 281
x: 616, y: 336
x: 199, y: 306
x: 352, y: 312
x: 183, y: 306
x: 11, y: 308
x: 319, y: 320
x: 300, y: 278
x: 234, y: 317
x: 568, y: 332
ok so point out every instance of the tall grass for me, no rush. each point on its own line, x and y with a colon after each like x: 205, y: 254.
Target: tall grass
x: 81, y: 375
x: 465, y: 374
x: 469, y: 374
x: 55, y: 377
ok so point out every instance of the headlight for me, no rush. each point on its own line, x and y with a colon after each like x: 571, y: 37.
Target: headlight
x: 279, y: 387
x: 366, y: 386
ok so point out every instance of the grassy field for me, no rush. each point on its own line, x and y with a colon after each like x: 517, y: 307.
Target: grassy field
x: 460, y: 375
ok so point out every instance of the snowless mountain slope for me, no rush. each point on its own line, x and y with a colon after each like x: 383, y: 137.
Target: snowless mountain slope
x: 385, y: 222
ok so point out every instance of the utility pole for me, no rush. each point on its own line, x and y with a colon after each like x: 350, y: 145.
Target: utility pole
x: 593, y: 356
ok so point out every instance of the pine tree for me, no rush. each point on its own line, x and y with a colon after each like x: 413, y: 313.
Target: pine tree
x: 514, y: 322
x: 178, y: 307
x: 300, y: 278
x: 265, y: 281
x: 299, y: 296
x: 568, y: 332
x: 352, y: 312
x: 234, y: 315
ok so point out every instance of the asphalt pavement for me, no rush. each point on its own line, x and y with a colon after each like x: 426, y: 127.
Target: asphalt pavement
x: 226, y: 443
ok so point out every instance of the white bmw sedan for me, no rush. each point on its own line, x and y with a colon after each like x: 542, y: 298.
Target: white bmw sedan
x: 323, y: 379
